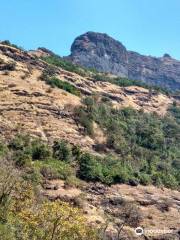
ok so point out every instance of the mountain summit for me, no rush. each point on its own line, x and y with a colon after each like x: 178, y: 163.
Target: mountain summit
x: 101, y: 52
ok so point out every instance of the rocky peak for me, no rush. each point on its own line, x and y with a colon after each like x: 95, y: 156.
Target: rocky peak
x: 100, y: 51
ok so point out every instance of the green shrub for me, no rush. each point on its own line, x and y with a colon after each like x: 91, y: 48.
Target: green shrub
x: 145, y: 179
x: 47, y: 73
x: 22, y: 159
x: 66, y: 65
x: 19, y: 142
x: 89, y: 168
x: 6, y: 232
x: 33, y: 176
x: 175, y: 111
x: 62, y: 151
x: 107, y: 170
x: 54, y: 169
x: 55, y: 82
x: 176, y: 164
x: 3, y: 149
x: 125, y: 82
x: 40, y: 151
x: 84, y: 118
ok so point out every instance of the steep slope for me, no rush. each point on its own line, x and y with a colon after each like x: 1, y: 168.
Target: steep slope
x: 99, y: 51
x: 31, y: 104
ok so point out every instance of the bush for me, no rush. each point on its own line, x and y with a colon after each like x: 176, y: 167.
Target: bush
x: 40, y: 151
x: 62, y: 151
x: 20, y: 142
x: 47, y: 73
x: 60, y: 62
x: 107, y: 170
x: 22, y: 159
x: 3, y: 149
x: 6, y: 232
x: 89, y: 168
x: 55, y: 82
x: 54, y: 169
x: 145, y: 179
x: 84, y: 118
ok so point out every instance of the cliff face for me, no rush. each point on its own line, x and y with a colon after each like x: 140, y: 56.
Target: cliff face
x: 99, y: 51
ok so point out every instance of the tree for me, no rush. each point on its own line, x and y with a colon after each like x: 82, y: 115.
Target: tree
x: 53, y: 221
x: 90, y: 169
x: 128, y: 215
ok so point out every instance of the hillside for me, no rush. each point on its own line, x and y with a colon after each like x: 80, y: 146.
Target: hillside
x: 31, y: 105
x: 107, y: 146
x: 101, y: 52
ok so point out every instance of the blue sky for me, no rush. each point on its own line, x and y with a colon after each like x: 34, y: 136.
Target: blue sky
x: 150, y: 27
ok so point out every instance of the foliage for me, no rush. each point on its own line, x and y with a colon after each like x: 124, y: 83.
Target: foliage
x: 52, y: 221
x: 54, y: 169
x: 107, y: 170
x: 24, y: 149
x: 144, y: 144
x: 125, y: 82
x: 23, y: 216
x: 8, y: 177
x: 62, y: 151
x: 175, y: 111
x: 8, y: 43
x: 40, y: 151
x: 66, y: 65
x: 55, y: 82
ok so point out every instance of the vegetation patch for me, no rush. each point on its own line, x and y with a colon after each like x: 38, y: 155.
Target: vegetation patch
x: 125, y: 82
x: 8, y: 43
x: 55, y: 82
x: 146, y: 146
x: 66, y: 65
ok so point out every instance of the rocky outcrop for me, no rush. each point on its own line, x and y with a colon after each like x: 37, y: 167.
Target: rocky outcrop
x: 99, y: 51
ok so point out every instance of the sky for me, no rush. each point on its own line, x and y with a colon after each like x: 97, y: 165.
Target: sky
x: 150, y: 27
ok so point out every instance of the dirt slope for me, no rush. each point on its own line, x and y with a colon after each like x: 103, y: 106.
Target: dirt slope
x: 29, y: 104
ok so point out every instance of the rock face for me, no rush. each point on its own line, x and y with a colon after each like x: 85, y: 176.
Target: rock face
x: 99, y: 51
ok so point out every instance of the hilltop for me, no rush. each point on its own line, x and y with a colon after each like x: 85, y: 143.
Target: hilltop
x: 105, y: 54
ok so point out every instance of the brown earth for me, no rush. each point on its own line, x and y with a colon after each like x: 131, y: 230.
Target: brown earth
x: 159, y: 207
x: 30, y: 105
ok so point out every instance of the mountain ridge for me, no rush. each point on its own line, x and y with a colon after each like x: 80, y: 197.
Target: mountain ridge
x: 105, y: 54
